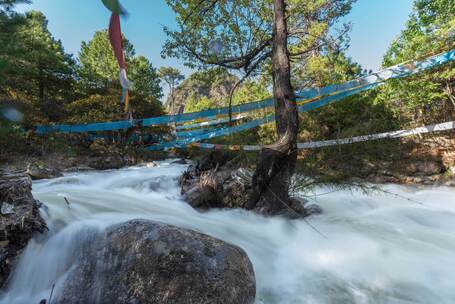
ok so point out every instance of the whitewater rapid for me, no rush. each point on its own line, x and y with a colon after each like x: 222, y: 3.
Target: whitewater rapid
x: 375, y: 248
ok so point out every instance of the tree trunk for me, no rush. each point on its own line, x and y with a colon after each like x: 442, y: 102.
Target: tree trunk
x: 450, y: 94
x: 41, y: 85
x: 172, y: 100
x: 276, y: 163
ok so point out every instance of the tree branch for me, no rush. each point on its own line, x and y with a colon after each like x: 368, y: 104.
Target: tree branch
x: 240, y: 81
x: 201, y: 13
x: 232, y: 62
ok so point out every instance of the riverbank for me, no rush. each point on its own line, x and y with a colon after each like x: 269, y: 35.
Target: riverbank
x: 428, y: 160
x: 413, y: 161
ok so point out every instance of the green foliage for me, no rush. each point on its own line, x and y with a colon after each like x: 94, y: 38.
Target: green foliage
x: 214, y: 84
x: 250, y: 91
x: 6, y: 6
x: 146, y: 106
x: 426, y: 97
x: 195, y: 104
x: 223, y: 32
x: 99, y: 70
x: 219, y: 86
x: 145, y: 78
x: 106, y: 107
x: 12, y: 139
x: 357, y: 115
x: 33, y: 64
x: 98, y: 65
x: 95, y: 108
x: 172, y: 77
x: 325, y: 68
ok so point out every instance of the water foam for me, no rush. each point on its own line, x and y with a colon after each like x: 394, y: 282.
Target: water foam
x: 379, y: 248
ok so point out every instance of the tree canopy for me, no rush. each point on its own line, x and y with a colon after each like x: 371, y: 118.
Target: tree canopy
x: 237, y: 34
x: 428, y: 96
x: 34, y: 65
x: 172, y: 78
x: 99, y: 69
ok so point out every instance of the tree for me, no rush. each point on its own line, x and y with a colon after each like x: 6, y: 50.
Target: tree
x: 429, y: 96
x: 6, y: 6
x: 34, y: 64
x: 145, y: 78
x: 172, y: 78
x: 195, y: 103
x: 98, y: 67
x: 106, y: 107
x: 99, y: 70
x: 246, y: 35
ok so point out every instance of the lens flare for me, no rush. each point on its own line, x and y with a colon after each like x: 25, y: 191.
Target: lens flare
x: 12, y: 114
x: 216, y: 47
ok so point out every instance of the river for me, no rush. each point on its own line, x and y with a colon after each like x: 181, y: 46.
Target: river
x: 376, y: 248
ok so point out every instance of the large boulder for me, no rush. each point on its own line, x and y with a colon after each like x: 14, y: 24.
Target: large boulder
x: 20, y: 219
x: 148, y: 262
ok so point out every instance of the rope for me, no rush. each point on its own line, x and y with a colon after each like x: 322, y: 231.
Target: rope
x: 327, y: 143
x: 367, y: 82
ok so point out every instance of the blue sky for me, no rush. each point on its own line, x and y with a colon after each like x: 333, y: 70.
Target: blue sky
x: 375, y: 24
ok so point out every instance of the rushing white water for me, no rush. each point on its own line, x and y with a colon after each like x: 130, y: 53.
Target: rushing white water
x: 376, y: 249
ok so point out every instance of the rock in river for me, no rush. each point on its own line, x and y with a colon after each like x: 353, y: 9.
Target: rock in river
x: 19, y: 219
x: 39, y: 171
x: 149, y: 262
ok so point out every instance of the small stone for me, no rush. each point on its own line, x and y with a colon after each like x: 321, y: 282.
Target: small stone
x: 7, y: 209
x: 313, y: 209
x: 451, y: 170
x: 151, y: 165
x: 39, y: 171
x: 179, y: 162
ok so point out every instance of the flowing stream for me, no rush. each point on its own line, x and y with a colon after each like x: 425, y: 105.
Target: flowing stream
x: 375, y: 248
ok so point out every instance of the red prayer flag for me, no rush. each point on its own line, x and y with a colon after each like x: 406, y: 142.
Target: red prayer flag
x: 115, y: 36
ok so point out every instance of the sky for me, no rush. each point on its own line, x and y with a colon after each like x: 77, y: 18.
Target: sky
x: 375, y: 24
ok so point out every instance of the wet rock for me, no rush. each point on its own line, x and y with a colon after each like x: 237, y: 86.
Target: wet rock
x: 203, y: 191
x: 98, y: 147
x: 151, y: 165
x: 147, y: 262
x: 219, y: 183
x: 225, y: 188
x: 20, y: 219
x: 78, y: 169
x: 105, y: 156
x: 180, y: 161
x: 426, y: 168
x: 212, y: 161
x: 39, y: 171
x: 106, y: 162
